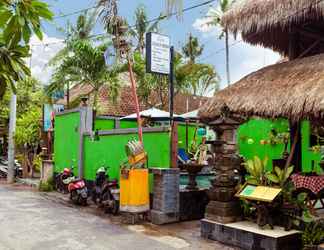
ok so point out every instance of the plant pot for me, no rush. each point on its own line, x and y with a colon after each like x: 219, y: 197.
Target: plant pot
x: 310, y: 247
x: 322, y: 164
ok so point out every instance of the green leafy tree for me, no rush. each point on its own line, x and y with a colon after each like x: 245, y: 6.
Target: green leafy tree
x: 29, y: 127
x: 82, y: 30
x: 192, y: 49
x: 86, y: 65
x: 216, y: 15
x: 18, y: 20
x: 142, y: 26
x: 29, y: 94
x: 198, y: 79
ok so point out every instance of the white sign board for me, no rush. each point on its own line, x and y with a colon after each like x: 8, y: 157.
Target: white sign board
x: 157, y: 53
x: 109, y: 55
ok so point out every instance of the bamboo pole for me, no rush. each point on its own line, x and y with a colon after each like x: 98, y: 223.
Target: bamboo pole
x: 133, y: 82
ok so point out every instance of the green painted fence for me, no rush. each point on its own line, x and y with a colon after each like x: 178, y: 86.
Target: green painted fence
x: 109, y: 150
x: 66, y: 141
x: 104, y: 124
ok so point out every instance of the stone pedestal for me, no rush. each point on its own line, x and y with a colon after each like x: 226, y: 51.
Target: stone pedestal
x: 192, y: 204
x: 47, y: 170
x: 165, y: 195
x: 248, y: 236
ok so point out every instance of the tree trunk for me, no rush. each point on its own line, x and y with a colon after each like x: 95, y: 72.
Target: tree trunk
x: 95, y: 99
x: 227, y: 58
x: 11, y: 144
x: 68, y: 96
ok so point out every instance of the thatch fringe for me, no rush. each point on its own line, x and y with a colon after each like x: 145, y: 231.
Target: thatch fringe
x: 293, y: 89
x: 266, y: 22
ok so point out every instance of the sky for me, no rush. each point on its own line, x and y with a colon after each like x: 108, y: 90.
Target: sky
x: 244, y: 58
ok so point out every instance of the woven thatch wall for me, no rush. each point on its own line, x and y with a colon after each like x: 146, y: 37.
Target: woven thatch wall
x: 293, y: 89
x: 269, y: 22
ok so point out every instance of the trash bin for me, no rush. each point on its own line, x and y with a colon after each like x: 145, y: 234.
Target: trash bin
x: 134, y: 190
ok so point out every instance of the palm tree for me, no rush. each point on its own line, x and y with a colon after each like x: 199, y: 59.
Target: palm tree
x: 174, y: 5
x: 80, y: 31
x: 142, y: 26
x: 192, y: 49
x: 86, y: 65
x: 216, y: 16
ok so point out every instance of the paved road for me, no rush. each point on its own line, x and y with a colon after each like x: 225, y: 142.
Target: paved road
x: 29, y: 221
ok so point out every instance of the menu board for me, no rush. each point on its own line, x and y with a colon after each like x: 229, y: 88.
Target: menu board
x: 258, y: 193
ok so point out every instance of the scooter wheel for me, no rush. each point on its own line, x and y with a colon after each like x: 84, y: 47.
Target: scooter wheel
x: 74, y: 197
x: 83, y: 202
x: 115, y: 208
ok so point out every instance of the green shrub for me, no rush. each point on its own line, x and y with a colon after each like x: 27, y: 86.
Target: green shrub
x: 46, y: 186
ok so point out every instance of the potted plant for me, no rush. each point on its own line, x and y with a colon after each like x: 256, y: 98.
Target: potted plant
x: 312, y: 236
x: 322, y: 158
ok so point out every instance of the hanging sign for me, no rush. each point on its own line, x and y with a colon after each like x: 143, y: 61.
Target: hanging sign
x: 157, y: 53
x: 48, y: 115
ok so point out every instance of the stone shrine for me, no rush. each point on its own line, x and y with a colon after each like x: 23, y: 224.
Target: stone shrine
x: 223, y: 206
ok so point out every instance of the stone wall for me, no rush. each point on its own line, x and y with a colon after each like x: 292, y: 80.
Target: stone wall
x: 165, y: 196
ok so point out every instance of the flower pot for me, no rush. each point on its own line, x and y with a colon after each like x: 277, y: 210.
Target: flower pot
x: 310, y: 247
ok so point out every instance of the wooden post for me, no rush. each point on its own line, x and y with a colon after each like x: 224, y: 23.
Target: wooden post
x: 174, y: 145
x: 294, y: 144
x: 187, y: 135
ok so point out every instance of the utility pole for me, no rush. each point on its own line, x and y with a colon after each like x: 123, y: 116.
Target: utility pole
x: 11, y: 140
x: 171, y: 85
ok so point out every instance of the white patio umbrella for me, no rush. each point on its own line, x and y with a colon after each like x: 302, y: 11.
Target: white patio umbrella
x: 151, y: 113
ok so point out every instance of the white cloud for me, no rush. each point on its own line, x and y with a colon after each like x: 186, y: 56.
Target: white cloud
x: 41, y: 53
x: 244, y: 58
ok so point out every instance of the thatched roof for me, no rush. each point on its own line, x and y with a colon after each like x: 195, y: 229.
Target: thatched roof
x: 125, y: 103
x: 293, y: 89
x: 268, y: 22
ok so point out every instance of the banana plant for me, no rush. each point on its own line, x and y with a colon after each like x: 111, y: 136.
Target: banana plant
x: 256, y: 169
x: 280, y: 176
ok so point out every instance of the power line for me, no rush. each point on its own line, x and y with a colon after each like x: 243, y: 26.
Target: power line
x: 74, y: 13
x: 133, y: 26
x: 254, y: 34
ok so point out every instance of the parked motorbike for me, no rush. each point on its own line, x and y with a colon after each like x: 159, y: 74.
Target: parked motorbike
x: 78, y: 191
x: 106, y: 192
x: 63, y: 179
x: 18, y: 170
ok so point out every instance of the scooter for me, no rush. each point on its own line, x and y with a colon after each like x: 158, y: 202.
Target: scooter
x: 63, y: 179
x: 78, y: 191
x: 106, y: 192
x: 18, y: 170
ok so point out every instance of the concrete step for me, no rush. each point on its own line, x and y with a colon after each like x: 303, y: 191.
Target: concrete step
x: 249, y: 236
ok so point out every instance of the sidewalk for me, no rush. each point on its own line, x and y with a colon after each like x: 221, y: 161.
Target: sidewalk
x: 184, y: 235
x: 181, y: 235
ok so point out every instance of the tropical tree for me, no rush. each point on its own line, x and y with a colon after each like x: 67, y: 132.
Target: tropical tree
x: 198, y: 79
x: 86, y: 65
x: 192, y: 49
x: 142, y: 26
x: 80, y: 31
x: 215, y: 16
x: 18, y: 20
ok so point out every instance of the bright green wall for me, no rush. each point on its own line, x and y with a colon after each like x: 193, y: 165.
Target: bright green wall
x: 251, y: 134
x: 110, y: 150
x: 309, y: 158
x: 191, y: 134
x: 128, y: 124
x: 104, y: 124
x: 66, y: 141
